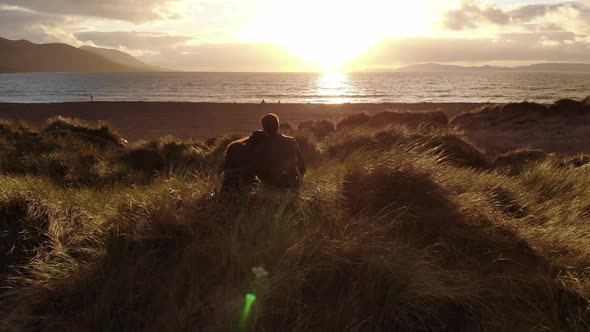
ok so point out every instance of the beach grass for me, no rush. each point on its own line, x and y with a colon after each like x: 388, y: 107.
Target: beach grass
x: 395, y: 228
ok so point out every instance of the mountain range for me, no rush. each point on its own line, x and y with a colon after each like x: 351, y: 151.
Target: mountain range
x: 539, y: 67
x: 22, y: 56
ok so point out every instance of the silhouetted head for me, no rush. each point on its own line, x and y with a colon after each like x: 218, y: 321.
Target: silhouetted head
x: 256, y: 137
x: 270, y: 123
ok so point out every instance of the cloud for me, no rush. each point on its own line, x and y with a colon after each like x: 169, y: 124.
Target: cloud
x: 470, y: 16
x: 136, y: 11
x: 141, y: 44
x: 529, y: 12
x: 538, y: 32
x: 37, y: 27
x: 228, y: 57
x: 526, y: 47
x: 573, y: 17
x: 568, y: 16
x: 132, y: 39
x: 182, y: 52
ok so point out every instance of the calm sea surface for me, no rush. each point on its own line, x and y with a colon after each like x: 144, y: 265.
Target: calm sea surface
x: 295, y: 87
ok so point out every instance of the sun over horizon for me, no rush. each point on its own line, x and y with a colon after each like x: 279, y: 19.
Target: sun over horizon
x: 327, y: 35
x: 295, y: 165
x: 330, y: 35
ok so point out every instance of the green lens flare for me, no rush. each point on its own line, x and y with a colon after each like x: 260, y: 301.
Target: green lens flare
x: 250, y: 298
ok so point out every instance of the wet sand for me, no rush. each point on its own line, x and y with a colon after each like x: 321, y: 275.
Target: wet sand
x: 146, y: 120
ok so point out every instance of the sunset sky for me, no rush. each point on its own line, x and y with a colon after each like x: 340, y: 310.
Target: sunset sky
x: 308, y: 35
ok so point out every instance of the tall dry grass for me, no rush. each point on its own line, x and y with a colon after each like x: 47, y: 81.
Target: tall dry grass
x: 394, y: 229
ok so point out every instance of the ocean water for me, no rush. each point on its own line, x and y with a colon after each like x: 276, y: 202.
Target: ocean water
x: 295, y: 87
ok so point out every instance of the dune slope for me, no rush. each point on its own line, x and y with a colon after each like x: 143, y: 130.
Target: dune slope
x: 397, y: 228
x: 562, y: 127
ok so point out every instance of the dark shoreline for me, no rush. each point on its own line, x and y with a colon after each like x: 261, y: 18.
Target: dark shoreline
x: 145, y: 120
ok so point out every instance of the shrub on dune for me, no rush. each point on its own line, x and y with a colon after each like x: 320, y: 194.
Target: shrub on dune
x: 385, y: 118
x: 511, y: 108
x: 383, y: 189
x: 306, y: 125
x: 319, y: 128
x: 379, y: 141
x: 90, y: 170
x: 507, y: 202
x: 456, y: 150
x: 24, y: 227
x: 18, y: 141
x: 518, y: 114
x: 411, y: 119
x: 144, y: 158
x: 323, y: 128
x: 338, y: 284
x: 345, y: 146
x: 309, y: 148
x: 285, y: 127
x: 140, y: 249
x: 180, y: 154
x: 450, y: 145
x: 395, y: 190
x: 515, y: 161
x: 353, y: 121
x: 7, y: 130
x: 568, y: 107
x: 409, y: 206
x: 505, y: 112
x: 11, y: 131
x: 165, y: 155
x: 394, y: 229
x: 582, y: 160
x: 66, y: 159
x: 102, y: 135
x: 498, y: 114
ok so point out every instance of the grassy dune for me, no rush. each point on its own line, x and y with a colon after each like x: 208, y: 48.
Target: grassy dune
x: 561, y: 127
x: 403, y: 228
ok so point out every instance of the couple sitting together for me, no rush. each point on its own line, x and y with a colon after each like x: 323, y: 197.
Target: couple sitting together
x: 274, y: 158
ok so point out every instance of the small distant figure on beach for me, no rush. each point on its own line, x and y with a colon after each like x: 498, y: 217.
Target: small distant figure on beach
x: 275, y: 159
x: 91, y: 98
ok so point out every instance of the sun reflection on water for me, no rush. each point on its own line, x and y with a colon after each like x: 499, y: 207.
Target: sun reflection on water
x: 334, y: 87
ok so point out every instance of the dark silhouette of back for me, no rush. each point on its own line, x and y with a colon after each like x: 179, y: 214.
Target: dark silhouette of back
x: 282, y: 163
x: 242, y: 160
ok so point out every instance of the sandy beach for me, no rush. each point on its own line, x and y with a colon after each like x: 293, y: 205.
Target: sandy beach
x: 145, y: 120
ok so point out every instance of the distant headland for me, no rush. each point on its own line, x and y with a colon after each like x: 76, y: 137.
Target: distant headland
x: 538, y: 67
x: 22, y: 56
